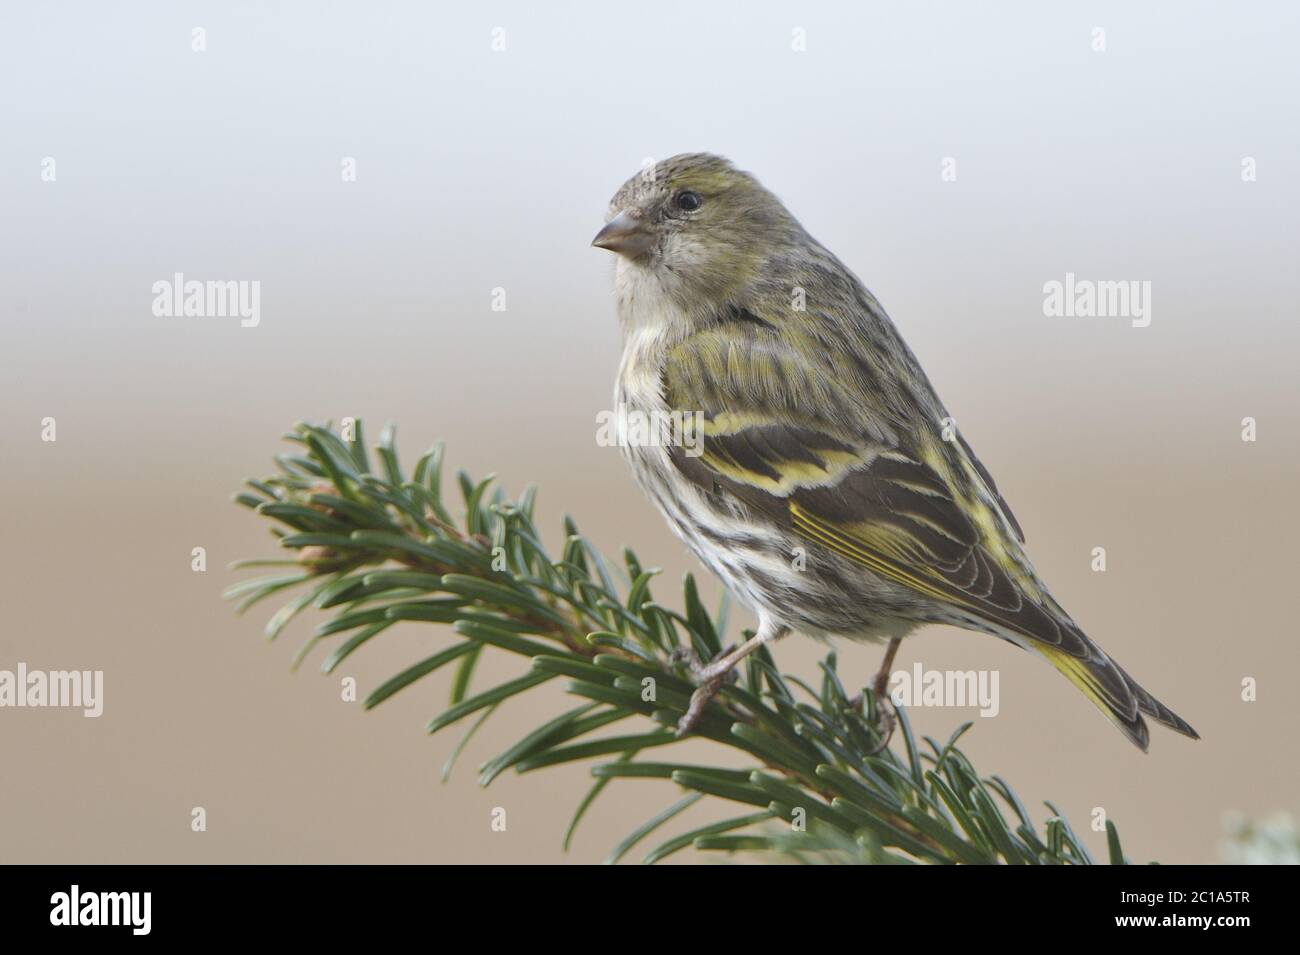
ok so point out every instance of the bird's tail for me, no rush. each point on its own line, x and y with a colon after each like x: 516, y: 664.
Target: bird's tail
x: 1116, y: 693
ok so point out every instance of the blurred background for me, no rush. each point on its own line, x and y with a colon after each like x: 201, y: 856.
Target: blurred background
x: 481, y: 168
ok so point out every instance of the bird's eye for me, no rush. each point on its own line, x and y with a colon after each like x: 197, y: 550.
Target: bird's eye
x: 688, y: 201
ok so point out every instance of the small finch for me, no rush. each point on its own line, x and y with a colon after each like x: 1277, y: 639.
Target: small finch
x: 825, y: 493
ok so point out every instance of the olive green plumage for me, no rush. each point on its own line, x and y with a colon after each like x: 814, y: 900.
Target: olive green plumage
x: 831, y: 494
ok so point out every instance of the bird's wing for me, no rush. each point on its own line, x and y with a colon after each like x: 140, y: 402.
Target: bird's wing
x: 825, y: 460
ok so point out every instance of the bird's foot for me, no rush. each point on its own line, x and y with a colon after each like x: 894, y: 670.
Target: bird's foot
x: 699, y: 700
x: 709, y: 679
x: 686, y: 656
x: 886, y: 718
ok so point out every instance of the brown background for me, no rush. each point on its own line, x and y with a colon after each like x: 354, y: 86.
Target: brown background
x: 478, y: 170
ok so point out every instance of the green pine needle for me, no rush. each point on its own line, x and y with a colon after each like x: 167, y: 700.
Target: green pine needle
x: 374, y: 548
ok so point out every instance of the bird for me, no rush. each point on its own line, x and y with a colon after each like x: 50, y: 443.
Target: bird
x: 828, y: 490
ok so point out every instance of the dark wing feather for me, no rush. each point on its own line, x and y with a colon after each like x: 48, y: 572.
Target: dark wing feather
x: 915, y: 510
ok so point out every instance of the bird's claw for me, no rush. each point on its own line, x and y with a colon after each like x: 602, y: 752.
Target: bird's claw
x: 708, y: 679
x: 705, y: 692
x: 702, y: 673
x: 685, y: 656
x: 886, y: 717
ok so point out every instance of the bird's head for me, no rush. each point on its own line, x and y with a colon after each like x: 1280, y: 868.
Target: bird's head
x: 698, y: 225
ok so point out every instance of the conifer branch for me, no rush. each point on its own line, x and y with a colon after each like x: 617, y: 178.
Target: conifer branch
x: 375, y: 547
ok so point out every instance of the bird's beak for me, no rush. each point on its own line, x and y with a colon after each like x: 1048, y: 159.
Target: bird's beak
x: 625, y: 234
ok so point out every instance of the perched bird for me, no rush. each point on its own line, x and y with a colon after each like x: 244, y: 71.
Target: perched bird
x: 825, y: 493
